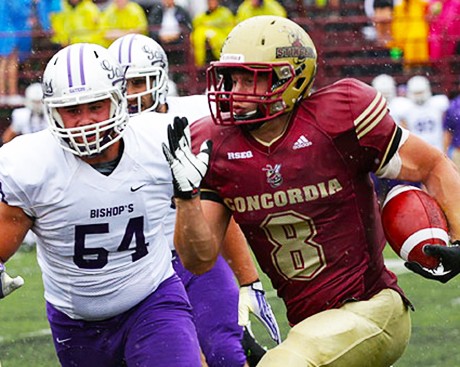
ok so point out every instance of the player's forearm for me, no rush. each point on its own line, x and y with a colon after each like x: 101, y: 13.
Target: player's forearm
x: 443, y: 184
x: 193, y: 239
x: 14, y: 225
x: 236, y: 251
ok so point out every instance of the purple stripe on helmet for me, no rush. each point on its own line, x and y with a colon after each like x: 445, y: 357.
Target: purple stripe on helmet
x: 69, y: 69
x: 82, y: 69
x: 119, y: 50
x: 131, y: 41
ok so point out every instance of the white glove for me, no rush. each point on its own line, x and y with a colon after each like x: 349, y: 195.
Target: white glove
x: 8, y: 284
x: 187, y: 169
x: 252, y: 299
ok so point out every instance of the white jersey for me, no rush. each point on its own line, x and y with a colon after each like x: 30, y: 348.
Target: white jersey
x: 23, y: 121
x: 100, y: 239
x: 425, y: 120
x: 193, y: 108
x: 398, y: 107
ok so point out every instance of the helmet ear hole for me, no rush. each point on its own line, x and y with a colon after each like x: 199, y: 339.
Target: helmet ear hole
x: 299, y: 83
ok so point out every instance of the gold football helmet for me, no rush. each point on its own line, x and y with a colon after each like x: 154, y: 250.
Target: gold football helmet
x: 263, y: 45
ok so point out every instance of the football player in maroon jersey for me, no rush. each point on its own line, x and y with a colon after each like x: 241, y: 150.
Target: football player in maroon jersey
x: 293, y: 168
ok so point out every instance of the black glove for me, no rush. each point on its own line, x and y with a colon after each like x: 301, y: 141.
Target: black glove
x: 450, y: 262
x: 253, y: 350
x: 187, y: 169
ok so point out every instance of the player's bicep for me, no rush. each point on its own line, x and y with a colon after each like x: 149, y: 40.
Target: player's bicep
x: 14, y: 224
x: 418, y: 159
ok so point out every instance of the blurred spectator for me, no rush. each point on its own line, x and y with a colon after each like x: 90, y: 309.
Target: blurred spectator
x: 170, y: 25
x: 232, y: 4
x: 451, y: 126
x: 17, y: 19
x: 28, y: 119
x: 251, y: 8
x: 169, y: 22
x: 120, y: 18
x: 210, y: 29
x: 193, y: 7
x: 410, y: 32
x: 381, y: 13
x: 77, y: 22
x: 146, y: 5
x: 444, y: 32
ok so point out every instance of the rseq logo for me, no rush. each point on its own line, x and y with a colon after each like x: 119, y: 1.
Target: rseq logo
x: 239, y: 155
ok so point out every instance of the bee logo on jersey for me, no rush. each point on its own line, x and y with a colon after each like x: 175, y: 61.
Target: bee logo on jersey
x: 274, y: 177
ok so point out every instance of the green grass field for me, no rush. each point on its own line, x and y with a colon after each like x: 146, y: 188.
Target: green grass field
x: 25, y: 340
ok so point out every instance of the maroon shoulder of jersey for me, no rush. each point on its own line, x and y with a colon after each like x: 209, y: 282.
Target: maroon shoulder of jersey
x: 356, y: 115
x: 205, y: 129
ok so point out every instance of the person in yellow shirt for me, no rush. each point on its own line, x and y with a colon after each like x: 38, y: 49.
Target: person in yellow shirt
x: 211, y: 27
x: 78, y: 21
x: 122, y: 17
x: 252, y: 8
x: 410, y: 31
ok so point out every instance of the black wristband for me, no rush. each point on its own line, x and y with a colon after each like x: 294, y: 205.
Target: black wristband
x: 186, y: 195
x: 249, y: 284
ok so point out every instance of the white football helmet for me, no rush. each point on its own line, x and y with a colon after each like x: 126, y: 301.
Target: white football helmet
x: 34, y: 96
x: 84, y: 73
x: 386, y: 85
x: 419, y: 89
x: 141, y: 56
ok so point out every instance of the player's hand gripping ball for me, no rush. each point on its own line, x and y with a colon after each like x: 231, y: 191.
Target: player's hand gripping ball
x: 411, y: 219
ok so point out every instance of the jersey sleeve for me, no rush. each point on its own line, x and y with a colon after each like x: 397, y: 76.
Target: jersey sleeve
x: 375, y: 132
x: 13, y: 191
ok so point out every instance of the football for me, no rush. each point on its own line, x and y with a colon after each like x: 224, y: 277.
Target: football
x: 411, y: 219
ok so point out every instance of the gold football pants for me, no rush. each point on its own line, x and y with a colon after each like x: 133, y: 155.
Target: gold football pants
x: 371, y: 333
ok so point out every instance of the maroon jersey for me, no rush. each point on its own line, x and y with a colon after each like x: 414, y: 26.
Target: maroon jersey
x: 306, y: 202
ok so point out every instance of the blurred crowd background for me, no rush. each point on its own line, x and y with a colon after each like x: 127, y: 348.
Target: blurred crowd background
x: 354, y: 38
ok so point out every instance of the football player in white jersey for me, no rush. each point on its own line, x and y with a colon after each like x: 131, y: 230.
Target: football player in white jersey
x: 27, y: 119
x: 424, y: 113
x: 96, y: 201
x: 220, y: 336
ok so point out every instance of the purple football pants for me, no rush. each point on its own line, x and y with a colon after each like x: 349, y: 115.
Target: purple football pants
x: 159, y: 331
x: 214, y: 298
